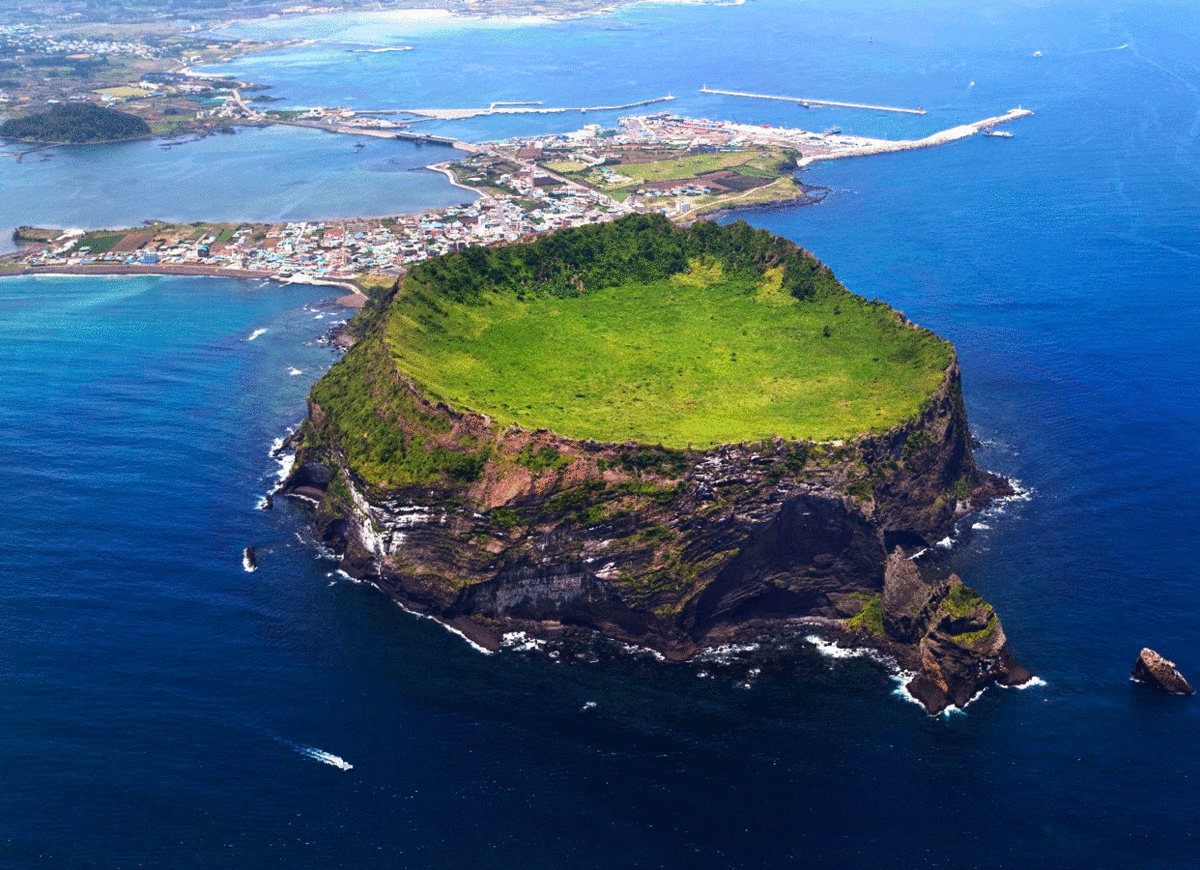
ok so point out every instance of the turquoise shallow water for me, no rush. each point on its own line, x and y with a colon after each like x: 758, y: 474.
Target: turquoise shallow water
x: 163, y: 707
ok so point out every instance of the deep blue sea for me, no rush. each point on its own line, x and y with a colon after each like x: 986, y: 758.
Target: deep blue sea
x: 160, y: 706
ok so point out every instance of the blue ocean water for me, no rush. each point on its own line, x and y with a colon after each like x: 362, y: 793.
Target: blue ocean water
x: 164, y: 707
x: 271, y: 174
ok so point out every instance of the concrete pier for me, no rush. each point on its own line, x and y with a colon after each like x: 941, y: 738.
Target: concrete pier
x: 855, y: 146
x: 804, y: 101
x: 528, y: 108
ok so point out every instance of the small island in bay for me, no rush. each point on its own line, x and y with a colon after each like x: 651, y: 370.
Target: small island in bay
x: 672, y: 437
x: 75, y: 123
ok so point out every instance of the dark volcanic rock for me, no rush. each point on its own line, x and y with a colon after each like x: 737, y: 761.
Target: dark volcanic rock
x: 309, y: 480
x: 906, y: 598
x: 1153, y: 670
x: 495, y: 529
x: 952, y: 638
x: 682, y: 556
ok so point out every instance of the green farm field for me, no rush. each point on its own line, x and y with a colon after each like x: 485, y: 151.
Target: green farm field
x: 757, y: 162
x: 696, y: 358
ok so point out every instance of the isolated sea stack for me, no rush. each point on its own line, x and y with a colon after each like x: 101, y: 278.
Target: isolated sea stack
x: 1153, y: 670
x: 671, y: 437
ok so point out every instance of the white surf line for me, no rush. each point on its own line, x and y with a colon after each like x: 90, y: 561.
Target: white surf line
x: 256, y: 334
x: 1031, y: 683
x: 450, y: 628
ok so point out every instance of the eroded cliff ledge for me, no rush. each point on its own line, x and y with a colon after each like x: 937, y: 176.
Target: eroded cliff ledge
x: 493, y: 527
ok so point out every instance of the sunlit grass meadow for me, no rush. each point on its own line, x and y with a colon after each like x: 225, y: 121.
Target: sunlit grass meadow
x: 693, y: 359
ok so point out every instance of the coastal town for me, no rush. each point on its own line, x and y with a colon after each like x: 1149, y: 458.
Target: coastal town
x: 682, y: 167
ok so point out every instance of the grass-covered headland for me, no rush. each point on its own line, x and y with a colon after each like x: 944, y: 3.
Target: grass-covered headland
x: 635, y: 330
x: 76, y: 123
x: 628, y: 331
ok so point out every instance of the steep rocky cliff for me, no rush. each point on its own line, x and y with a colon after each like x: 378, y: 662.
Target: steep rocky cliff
x: 669, y: 549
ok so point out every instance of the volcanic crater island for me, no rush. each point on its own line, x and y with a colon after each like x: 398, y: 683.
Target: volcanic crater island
x: 672, y: 437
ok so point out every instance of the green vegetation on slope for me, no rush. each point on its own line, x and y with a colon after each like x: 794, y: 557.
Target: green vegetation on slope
x: 638, y: 331
x: 75, y: 122
x: 388, y: 438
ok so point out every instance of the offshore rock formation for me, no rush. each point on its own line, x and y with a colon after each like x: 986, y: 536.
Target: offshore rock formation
x: 1153, y: 670
x: 670, y: 549
x: 948, y: 634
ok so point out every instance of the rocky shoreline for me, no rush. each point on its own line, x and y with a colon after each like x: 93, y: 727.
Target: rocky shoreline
x: 811, y: 194
x: 733, y: 544
x: 496, y: 529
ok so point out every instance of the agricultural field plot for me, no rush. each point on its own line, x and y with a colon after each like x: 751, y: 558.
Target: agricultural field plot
x: 723, y: 172
x: 757, y: 162
x: 486, y: 172
x: 565, y: 165
x: 123, y: 93
x: 780, y: 190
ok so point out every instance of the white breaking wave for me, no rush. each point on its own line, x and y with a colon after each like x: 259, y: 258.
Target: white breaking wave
x: 285, y: 460
x: 902, y: 679
x: 634, y: 649
x: 293, y: 371
x: 255, y: 334
x: 951, y: 710
x: 519, y: 641
x: 725, y: 653
x: 831, y: 650
x: 449, y: 628
x: 1031, y: 683
x: 1000, y: 505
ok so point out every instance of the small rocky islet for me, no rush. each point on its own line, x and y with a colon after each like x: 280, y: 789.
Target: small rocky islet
x: 452, y: 468
x: 1153, y: 670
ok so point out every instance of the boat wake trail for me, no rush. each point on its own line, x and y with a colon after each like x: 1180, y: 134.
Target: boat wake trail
x: 317, y: 754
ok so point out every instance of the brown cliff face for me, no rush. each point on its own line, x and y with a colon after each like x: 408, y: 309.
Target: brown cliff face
x: 671, y: 550
x: 947, y: 634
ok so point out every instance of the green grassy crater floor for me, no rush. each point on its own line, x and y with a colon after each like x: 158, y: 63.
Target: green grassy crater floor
x: 694, y: 359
